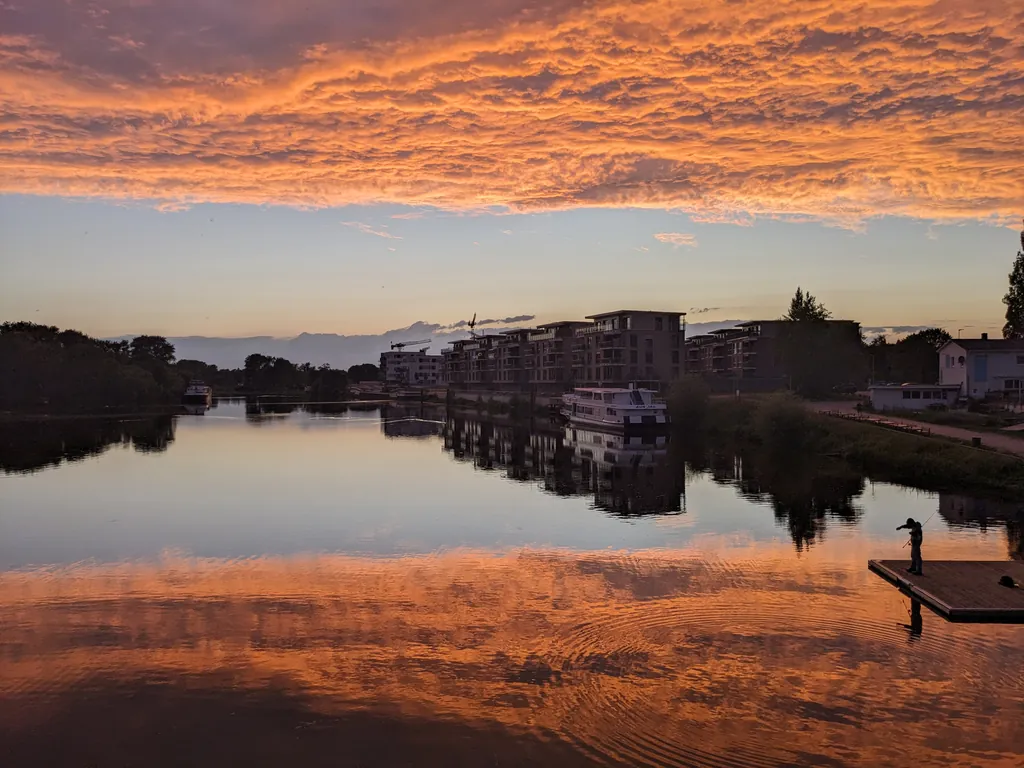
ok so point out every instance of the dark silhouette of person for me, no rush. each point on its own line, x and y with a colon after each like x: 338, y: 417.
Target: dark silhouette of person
x: 916, y: 537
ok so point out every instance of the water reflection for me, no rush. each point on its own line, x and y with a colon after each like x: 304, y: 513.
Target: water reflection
x: 968, y: 512
x: 29, y: 446
x: 625, y: 475
x: 804, y: 494
x: 475, y: 658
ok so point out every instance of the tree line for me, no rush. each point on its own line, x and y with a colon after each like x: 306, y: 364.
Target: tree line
x: 46, y: 369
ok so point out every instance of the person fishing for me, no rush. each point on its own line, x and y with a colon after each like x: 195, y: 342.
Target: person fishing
x: 916, y: 537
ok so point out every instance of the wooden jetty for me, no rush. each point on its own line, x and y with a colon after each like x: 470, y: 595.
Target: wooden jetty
x: 961, y: 590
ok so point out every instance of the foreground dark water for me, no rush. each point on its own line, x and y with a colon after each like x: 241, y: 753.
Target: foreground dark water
x: 346, y: 589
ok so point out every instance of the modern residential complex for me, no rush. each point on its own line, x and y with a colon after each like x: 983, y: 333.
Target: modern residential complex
x: 410, y: 368
x: 611, y: 349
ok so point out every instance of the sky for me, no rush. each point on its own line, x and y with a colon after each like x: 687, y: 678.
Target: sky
x: 256, y: 167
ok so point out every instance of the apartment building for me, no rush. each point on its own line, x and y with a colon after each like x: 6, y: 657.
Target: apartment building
x: 609, y: 349
x: 629, y: 346
x: 417, y: 369
x: 749, y: 351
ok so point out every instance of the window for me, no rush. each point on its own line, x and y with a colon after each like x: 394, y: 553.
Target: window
x: 906, y: 394
x: 675, y: 339
x: 675, y: 372
x: 648, y: 357
x: 915, y: 395
x: 649, y: 343
x: 632, y: 339
x: 659, y: 324
x: 1020, y: 359
x: 1011, y: 384
x: 632, y: 356
x: 675, y: 356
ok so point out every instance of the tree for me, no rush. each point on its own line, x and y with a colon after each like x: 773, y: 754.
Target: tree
x: 364, y: 372
x: 804, y: 306
x: 1014, y: 298
x: 150, y: 349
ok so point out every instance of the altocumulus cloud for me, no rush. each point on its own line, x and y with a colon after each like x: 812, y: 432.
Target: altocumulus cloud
x: 833, y: 110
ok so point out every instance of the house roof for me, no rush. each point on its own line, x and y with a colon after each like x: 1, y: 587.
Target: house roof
x: 988, y: 345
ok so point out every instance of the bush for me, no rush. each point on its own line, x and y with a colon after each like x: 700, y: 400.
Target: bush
x: 688, y: 402
x: 782, y: 423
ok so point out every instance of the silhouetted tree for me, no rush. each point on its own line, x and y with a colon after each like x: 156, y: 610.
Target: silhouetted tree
x: 1014, y: 298
x: 148, y: 349
x: 364, y: 372
x: 914, y: 358
x: 44, y: 368
x: 819, y: 354
x: 804, y: 306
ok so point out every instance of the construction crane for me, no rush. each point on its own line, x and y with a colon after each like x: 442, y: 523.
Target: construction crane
x: 472, y: 325
x: 404, y: 344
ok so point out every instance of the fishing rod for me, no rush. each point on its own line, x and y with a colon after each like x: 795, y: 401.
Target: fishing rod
x: 922, y: 527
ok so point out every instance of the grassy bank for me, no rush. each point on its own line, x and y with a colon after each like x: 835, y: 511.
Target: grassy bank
x: 784, y: 427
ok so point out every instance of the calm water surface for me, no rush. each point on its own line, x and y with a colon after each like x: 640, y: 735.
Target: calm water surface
x: 409, y: 588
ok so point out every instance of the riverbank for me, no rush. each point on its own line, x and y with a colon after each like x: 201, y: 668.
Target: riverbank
x: 785, y: 427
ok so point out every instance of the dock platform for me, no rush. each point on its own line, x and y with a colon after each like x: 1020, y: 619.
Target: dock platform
x: 961, y: 590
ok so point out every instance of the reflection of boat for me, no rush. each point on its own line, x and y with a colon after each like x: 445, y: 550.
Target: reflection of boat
x: 615, y: 408
x: 607, y: 449
x: 195, y: 409
x: 197, y: 393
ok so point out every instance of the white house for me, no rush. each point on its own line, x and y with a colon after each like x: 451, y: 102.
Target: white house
x: 982, y: 367
x: 912, y: 397
x: 417, y: 369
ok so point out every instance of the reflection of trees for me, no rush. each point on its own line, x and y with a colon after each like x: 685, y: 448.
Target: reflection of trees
x: 257, y: 408
x: 804, y: 491
x: 411, y: 421
x: 624, y: 480
x: 34, y: 445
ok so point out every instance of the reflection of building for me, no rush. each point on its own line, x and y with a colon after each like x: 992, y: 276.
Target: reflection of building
x: 416, y: 369
x: 626, y: 475
x: 970, y: 512
x: 612, y: 349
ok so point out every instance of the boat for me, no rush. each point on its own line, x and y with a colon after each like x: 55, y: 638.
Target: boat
x: 197, y: 393
x: 614, y: 407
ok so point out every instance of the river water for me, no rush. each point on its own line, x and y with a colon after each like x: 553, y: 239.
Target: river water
x: 412, y: 588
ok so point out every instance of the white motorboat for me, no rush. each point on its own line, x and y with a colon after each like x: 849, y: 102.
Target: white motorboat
x: 614, y: 408
x: 198, y: 393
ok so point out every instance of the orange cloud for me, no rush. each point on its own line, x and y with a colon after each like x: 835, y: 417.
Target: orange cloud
x: 832, y: 110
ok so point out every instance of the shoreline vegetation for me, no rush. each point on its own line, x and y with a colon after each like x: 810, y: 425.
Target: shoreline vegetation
x: 47, y: 372
x: 781, y: 425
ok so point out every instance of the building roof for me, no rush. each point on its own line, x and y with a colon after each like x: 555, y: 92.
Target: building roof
x: 988, y: 345
x: 632, y: 312
x: 562, y: 323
